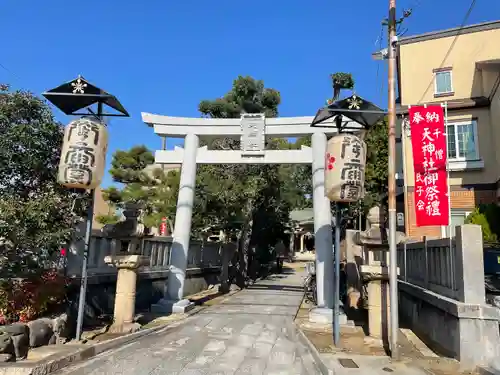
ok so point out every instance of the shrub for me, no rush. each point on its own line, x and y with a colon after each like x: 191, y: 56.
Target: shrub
x: 26, y: 299
x: 488, y: 217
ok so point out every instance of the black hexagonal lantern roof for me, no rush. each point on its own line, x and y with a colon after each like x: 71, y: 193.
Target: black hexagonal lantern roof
x: 75, y: 95
x: 355, y: 108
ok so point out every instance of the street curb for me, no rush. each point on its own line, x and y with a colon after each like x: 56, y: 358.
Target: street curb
x: 59, y: 361
x: 314, y: 352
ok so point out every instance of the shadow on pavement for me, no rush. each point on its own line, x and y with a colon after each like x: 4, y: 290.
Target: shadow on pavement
x: 276, y: 287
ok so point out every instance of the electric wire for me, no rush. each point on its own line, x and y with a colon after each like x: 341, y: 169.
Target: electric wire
x: 452, y: 45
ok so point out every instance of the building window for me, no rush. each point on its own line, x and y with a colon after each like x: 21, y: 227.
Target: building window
x: 457, y: 218
x: 443, y: 82
x: 462, y: 141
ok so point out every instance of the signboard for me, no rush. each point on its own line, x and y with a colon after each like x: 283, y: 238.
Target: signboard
x: 83, y: 154
x: 253, y: 139
x: 345, y: 168
x: 428, y: 140
x: 400, y: 217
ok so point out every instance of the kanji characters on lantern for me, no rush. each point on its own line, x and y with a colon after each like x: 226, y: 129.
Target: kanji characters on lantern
x: 345, y: 168
x: 429, y: 162
x: 83, y: 154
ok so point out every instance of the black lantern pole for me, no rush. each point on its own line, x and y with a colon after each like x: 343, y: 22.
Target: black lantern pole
x: 365, y: 114
x: 72, y: 97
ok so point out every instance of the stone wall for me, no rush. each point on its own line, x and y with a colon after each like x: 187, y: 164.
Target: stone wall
x: 442, y: 297
x: 204, y: 263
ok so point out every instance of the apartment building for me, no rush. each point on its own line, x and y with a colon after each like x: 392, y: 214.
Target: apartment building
x: 461, y: 67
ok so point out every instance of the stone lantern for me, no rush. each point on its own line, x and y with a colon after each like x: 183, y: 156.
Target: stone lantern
x: 130, y: 232
x: 375, y: 271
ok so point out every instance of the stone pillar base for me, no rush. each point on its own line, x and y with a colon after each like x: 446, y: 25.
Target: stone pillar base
x: 324, y: 315
x: 165, y: 306
x: 127, y: 265
x: 124, y: 328
x: 379, y: 304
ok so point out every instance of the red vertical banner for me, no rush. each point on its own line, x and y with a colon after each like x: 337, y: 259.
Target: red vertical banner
x: 428, y: 140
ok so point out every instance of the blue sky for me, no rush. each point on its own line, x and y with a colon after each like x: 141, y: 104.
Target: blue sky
x: 165, y: 56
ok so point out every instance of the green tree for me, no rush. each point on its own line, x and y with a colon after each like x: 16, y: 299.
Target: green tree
x: 341, y: 81
x: 151, y: 188
x: 37, y: 215
x: 377, y: 157
x: 376, y: 164
x: 297, y: 179
x: 246, y: 198
x: 488, y: 217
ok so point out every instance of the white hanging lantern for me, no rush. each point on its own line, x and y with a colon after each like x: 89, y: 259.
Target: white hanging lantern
x: 345, y: 161
x: 83, y: 155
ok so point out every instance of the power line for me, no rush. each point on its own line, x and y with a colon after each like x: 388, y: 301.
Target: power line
x: 452, y: 45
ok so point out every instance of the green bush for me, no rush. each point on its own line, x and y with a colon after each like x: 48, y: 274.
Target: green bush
x: 488, y: 217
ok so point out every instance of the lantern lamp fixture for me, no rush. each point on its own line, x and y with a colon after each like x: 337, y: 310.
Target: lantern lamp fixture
x: 78, y: 94
x: 354, y: 108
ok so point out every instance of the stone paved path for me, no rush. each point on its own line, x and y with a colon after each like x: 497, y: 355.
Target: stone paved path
x: 251, y: 332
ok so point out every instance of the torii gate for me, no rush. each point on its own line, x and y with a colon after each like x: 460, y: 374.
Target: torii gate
x: 252, y: 129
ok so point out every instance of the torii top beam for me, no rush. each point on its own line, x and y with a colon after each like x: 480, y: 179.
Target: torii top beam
x: 284, y: 127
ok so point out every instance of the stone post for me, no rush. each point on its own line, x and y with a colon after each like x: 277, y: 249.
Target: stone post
x: 302, y: 243
x: 354, y: 255
x: 126, y: 284
x: 322, y: 233
x: 228, y: 250
x: 291, y: 247
x: 379, y: 303
x: 173, y: 301
x: 376, y: 273
x: 470, y: 264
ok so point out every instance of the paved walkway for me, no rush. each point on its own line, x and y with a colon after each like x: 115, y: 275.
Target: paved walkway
x: 251, y: 332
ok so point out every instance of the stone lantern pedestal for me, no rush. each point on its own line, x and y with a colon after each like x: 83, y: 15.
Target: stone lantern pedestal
x: 375, y: 272
x: 126, y: 284
x: 379, y: 303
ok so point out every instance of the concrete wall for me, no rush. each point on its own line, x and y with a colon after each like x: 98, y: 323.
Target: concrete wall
x: 442, y: 297
x: 101, y: 290
x: 204, y: 264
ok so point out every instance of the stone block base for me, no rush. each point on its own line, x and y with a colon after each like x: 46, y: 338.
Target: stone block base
x: 324, y: 315
x: 124, y: 328
x: 165, y: 306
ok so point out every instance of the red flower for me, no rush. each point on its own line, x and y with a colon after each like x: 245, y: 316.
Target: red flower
x: 63, y: 252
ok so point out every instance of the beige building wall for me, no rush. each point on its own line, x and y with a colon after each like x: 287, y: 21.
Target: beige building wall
x: 474, y: 87
x: 101, y: 207
x: 419, y: 59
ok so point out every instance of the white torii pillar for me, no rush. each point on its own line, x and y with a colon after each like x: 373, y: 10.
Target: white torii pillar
x: 322, y: 234
x: 191, y: 129
x: 174, y: 299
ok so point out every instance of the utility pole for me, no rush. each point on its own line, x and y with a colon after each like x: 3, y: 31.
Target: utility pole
x: 393, y: 276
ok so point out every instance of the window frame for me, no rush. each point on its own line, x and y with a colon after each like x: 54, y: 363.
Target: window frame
x: 444, y: 93
x: 456, y: 158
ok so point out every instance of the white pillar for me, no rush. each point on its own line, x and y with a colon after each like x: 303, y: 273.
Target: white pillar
x: 322, y: 225
x: 173, y: 301
x: 183, y: 217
